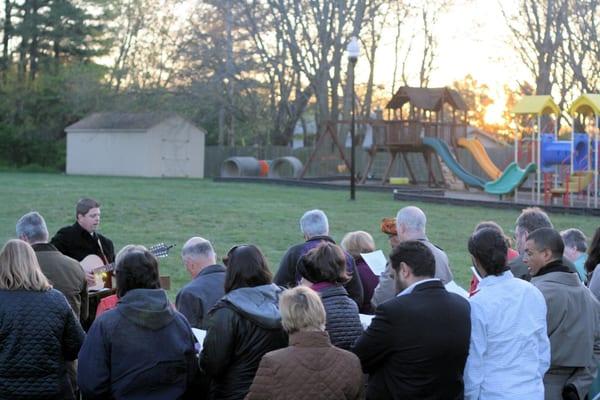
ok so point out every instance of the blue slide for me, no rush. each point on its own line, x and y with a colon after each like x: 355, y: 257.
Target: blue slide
x: 441, y: 148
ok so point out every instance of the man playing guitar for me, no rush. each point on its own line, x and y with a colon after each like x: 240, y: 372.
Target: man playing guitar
x: 81, y: 240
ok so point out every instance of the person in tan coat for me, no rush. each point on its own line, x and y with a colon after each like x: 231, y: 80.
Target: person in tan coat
x: 311, y: 367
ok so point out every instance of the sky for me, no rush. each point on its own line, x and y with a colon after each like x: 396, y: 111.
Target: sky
x: 472, y: 39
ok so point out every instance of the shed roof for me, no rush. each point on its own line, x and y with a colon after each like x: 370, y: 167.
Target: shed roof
x: 539, y: 104
x: 120, y: 121
x: 586, y: 104
x: 430, y: 99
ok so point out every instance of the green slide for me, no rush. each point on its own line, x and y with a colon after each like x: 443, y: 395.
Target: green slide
x: 441, y: 148
x: 511, y: 178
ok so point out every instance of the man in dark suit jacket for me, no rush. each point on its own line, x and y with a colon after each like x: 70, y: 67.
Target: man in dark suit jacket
x: 418, y: 342
x: 207, y: 287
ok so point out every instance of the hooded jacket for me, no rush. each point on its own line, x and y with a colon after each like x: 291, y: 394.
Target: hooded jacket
x: 243, y: 326
x: 141, y: 349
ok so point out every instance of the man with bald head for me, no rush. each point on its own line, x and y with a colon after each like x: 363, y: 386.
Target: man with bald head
x: 207, y: 285
x: 410, y: 225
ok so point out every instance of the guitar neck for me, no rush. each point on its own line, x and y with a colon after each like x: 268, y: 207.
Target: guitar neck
x: 160, y: 251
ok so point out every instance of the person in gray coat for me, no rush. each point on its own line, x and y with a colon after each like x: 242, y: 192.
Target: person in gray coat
x: 196, y: 298
x: 573, y: 318
x: 410, y: 225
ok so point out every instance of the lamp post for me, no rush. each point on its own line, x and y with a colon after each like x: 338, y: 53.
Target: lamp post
x: 353, y: 51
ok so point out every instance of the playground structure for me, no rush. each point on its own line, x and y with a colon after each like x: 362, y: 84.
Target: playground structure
x: 421, y: 124
x: 565, y: 167
x: 431, y: 123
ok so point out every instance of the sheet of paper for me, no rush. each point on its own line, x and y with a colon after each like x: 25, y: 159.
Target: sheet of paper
x: 376, y: 261
x: 200, y: 335
x: 365, y: 320
x: 452, y: 287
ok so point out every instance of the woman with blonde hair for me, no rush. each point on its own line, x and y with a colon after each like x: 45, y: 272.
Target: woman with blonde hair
x: 310, y: 363
x: 356, y: 243
x: 38, y: 330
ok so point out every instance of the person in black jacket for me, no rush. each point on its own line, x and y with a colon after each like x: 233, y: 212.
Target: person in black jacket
x: 38, y: 330
x: 142, y: 349
x: 323, y: 269
x: 417, y: 344
x: 243, y: 326
x: 195, y: 299
x: 315, y: 228
x: 82, y: 239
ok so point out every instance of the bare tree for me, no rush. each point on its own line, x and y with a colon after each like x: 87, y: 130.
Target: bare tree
x: 537, y: 31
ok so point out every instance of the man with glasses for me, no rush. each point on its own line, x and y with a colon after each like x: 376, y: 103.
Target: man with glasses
x: 529, y: 220
x: 207, y: 284
x: 573, y: 317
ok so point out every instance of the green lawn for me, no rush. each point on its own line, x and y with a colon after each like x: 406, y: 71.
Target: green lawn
x: 147, y: 211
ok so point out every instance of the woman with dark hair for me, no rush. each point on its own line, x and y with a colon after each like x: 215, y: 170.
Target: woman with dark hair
x: 509, y: 351
x: 323, y: 269
x: 38, y: 330
x: 243, y: 326
x: 511, y: 254
x: 143, y: 348
x: 592, y: 262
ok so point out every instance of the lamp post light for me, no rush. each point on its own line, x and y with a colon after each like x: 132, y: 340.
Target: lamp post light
x: 353, y: 51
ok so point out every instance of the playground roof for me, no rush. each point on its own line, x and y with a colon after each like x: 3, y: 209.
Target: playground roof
x: 430, y: 99
x: 536, y: 105
x: 586, y: 104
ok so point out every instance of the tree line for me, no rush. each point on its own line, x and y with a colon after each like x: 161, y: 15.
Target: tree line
x: 248, y: 71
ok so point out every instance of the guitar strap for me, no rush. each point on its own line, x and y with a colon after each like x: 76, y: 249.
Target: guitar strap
x: 102, y: 255
x: 108, y: 278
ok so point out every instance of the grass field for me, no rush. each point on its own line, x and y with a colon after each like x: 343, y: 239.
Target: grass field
x: 147, y: 211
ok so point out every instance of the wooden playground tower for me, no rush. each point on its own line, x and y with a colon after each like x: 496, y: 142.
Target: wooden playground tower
x: 413, y: 114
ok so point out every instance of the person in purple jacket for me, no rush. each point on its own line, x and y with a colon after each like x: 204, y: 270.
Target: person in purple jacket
x: 362, y: 242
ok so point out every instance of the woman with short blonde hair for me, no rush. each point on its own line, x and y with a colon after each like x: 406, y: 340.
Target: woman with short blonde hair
x: 301, y: 310
x: 43, y: 331
x: 311, y: 362
x: 19, y: 268
x: 356, y: 243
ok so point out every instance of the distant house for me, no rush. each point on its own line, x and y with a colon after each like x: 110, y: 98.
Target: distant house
x: 488, y: 140
x: 135, y: 144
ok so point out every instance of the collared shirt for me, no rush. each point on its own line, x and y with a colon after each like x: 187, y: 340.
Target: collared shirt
x: 509, y: 351
x: 409, y: 289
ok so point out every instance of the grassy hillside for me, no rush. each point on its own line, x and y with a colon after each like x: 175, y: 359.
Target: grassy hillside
x: 147, y: 211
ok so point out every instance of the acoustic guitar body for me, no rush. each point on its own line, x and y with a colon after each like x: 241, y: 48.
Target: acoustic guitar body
x: 91, y: 264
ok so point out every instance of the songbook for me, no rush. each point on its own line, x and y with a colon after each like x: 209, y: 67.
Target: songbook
x: 376, y: 261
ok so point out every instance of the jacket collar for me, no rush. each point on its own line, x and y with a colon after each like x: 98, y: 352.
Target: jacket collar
x: 321, y: 238
x: 563, y: 278
x: 211, y: 269
x: 82, y: 231
x: 421, y: 285
x: 43, y: 247
x: 553, y: 266
x: 310, y: 339
x: 491, y: 280
x: 335, y: 290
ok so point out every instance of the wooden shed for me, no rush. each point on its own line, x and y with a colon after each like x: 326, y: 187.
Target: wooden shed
x: 135, y: 144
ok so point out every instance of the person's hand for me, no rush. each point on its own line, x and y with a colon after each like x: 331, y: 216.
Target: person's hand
x: 569, y: 392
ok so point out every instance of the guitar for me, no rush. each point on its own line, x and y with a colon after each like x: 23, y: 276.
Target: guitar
x: 95, y: 265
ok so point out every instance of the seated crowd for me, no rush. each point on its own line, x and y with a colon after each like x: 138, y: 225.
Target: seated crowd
x: 528, y: 327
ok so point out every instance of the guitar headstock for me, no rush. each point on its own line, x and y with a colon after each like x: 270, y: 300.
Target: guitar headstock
x: 161, y: 250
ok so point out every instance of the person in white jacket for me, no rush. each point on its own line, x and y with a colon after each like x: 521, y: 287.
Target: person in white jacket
x: 509, y: 351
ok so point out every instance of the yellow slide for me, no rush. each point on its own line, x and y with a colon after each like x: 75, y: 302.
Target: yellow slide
x: 481, y: 156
